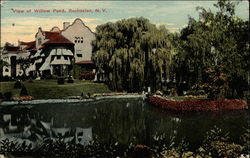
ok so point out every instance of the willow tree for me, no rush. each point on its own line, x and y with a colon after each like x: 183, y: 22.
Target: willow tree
x: 133, y: 54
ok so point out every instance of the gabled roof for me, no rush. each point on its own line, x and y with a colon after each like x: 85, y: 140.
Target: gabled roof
x: 11, y: 48
x: 59, y: 39
x: 29, y: 45
x: 50, y: 34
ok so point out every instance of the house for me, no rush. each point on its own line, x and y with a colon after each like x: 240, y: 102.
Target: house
x: 10, y: 54
x: 54, y: 52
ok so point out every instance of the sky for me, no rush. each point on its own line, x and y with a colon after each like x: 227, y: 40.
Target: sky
x: 19, y: 21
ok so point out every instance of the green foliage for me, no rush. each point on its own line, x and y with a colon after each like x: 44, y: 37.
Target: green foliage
x: 245, y: 139
x: 216, y: 144
x: 18, y: 84
x: 24, y: 64
x: 23, y: 91
x: 216, y: 82
x: 215, y: 39
x: 76, y: 71
x: 215, y: 134
x: 7, y: 96
x: 60, y: 80
x: 133, y: 54
x: 2, y: 64
x: 223, y: 149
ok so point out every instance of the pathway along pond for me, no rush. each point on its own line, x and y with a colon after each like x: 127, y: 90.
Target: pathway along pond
x: 111, y: 120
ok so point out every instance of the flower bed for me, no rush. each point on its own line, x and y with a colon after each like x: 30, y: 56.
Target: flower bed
x: 197, y: 104
x: 87, y: 76
x: 22, y: 98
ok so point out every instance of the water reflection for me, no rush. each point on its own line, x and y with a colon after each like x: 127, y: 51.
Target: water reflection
x: 111, y: 120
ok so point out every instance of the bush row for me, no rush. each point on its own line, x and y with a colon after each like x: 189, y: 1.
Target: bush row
x: 197, y: 104
x: 87, y: 76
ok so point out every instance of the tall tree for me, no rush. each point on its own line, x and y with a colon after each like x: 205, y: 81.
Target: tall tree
x: 216, y: 39
x: 133, y: 53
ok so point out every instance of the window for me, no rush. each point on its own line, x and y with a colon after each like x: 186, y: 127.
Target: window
x: 58, y: 57
x: 52, y: 58
x: 6, y: 70
x: 39, y: 41
x: 79, y: 55
x: 78, y: 39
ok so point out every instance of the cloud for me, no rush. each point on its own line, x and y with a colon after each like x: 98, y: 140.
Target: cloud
x: 25, y: 28
x: 165, y: 24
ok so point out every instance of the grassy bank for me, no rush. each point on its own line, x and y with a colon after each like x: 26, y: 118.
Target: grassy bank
x: 48, y: 89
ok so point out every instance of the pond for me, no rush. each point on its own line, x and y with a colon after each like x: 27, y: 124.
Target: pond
x: 110, y: 120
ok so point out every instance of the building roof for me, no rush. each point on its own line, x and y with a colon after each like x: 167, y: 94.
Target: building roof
x: 85, y: 62
x: 29, y: 45
x: 51, y: 34
x: 11, y: 48
x: 60, y: 39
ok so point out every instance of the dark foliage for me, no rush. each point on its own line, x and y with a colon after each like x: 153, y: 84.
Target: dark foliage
x: 7, y: 96
x: 18, y: 84
x: 24, y: 91
x: 60, y: 80
x: 87, y: 76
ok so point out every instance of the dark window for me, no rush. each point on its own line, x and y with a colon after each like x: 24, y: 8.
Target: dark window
x: 6, y: 70
x: 79, y: 55
x: 81, y: 41
x: 58, y: 57
x: 75, y: 41
x: 78, y: 41
x: 39, y: 41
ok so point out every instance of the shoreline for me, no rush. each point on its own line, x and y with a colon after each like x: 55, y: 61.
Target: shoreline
x: 73, y: 99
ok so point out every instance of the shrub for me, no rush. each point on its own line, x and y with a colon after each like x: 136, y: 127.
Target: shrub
x: 6, y: 78
x: 87, y: 76
x: 1, y: 96
x: 24, y: 91
x: 215, y: 134
x: 223, y: 149
x: 197, y: 105
x: 60, y: 80
x: 142, y: 151
x: 70, y: 79
x: 216, y: 143
x: 245, y: 140
x: 18, y: 84
x: 7, y: 96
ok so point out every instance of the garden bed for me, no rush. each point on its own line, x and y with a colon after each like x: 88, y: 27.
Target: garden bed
x: 197, y: 104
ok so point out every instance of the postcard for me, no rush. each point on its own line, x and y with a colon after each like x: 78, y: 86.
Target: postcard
x: 124, y: 79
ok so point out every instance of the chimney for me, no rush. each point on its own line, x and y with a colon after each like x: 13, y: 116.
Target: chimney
x: 65, y: 25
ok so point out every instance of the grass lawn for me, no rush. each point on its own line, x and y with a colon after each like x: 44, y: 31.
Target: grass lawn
x: 47, y: 89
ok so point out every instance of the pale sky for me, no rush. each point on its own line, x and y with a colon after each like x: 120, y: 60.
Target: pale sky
x: 23, y: 26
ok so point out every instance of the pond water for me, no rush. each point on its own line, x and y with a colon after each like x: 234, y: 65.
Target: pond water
x: 111, y: 120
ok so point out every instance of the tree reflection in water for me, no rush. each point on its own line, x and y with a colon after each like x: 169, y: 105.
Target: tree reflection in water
x: 114, y: 120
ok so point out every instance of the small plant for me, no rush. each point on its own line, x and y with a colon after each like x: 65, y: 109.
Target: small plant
x: 223, y: 149
x: 215, y: 134
x: 24, y: 91
x: 87, y: 76
x: 245, y: 139
x: 60, y: 80
x: 70, y: 79
x: 18, y: 84
x: 7, y: 96
x: 1, y: 96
